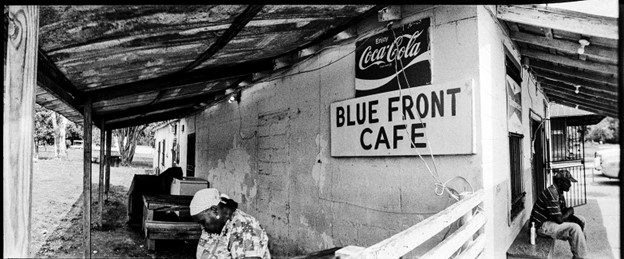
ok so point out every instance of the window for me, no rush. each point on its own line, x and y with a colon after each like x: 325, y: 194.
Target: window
x: 158, y: 156
x: 515, y: 160
x: 162, y: 161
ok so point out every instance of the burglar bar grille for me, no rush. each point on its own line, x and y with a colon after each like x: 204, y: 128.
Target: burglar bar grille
x: 567, y: 141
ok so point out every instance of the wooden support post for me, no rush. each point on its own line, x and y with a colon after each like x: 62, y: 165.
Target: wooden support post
x: 20, y: 70
x: 109, y: 139
x: 101, y: 176
x: 86, y: 184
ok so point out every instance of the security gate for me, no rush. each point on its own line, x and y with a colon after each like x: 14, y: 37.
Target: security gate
x: 567, y: 151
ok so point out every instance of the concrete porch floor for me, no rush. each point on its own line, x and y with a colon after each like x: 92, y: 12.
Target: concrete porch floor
x: 602, y: 213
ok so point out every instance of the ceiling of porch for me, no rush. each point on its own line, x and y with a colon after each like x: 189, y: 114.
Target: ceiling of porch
x: 551, y: 41
x: 140, y: 64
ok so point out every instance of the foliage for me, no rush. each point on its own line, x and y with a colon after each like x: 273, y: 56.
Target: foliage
x: 146, y: 137
x: 605, y: 131
x: 74, y: 131
x: 44, y: 130
x: 128, y: 138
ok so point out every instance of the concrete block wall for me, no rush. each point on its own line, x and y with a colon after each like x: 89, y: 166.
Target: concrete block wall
x: 493, y: 39
x: 271, y: 151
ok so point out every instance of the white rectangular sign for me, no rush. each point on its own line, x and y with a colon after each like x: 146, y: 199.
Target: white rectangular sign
x: 438, y: 119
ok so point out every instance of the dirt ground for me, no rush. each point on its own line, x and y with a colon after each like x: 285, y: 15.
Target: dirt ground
x: 57, y: 212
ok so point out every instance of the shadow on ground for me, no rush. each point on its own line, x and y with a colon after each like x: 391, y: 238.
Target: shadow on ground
x: 113, y: 239
x: 595, y: 232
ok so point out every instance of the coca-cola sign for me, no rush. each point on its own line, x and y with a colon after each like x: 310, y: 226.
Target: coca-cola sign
x: 401, y: 53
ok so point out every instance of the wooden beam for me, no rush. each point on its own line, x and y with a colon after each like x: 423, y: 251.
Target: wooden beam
x: 566, y: 102
x: 50, y: 77
x: 150, y: 113
x: 587, y: 65
x: 579, y: 100
x: 109, y: 137
x: 604, y: 54
x: 582, y: 93
x: 86, y: 184
x: 337, y: 29
x: 152, y: 118
x: 237, y: 25
x: 207, y: 74
x: 20, y: 68
x: 559, y: 19
x: 542, y: 66
x: 599, y: 89
x: 584, y: 105
x: 167, y: 104
x: 101, y: 176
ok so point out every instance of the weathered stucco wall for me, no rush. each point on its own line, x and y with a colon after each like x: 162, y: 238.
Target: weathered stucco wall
x: 271, y: 151
x: 493, y: 39
x: 165, y: 133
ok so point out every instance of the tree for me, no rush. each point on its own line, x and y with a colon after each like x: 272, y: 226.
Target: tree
x: 605, y: 131
x: 44, y: 129
x: 127, y: 140
x: 59, y: 125
x: 74, y: 131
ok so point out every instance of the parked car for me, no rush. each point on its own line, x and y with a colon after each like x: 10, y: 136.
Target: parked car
x: 607, y: 162
x: 77, y: 144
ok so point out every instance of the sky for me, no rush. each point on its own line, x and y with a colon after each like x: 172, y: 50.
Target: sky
x: 598, y: 7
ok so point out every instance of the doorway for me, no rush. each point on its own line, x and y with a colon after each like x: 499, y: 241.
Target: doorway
x: 190, y: 155
x: 538, y: 163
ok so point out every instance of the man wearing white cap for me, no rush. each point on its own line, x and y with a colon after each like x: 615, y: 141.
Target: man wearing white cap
x: 227, y: 232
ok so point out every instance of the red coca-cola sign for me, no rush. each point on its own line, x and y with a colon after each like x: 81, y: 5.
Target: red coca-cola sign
x: 393, y: 59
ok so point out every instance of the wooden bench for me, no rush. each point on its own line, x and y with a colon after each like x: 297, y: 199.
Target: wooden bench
x: 167, y: 230
x: 157, y: 229
x: 522, y: 248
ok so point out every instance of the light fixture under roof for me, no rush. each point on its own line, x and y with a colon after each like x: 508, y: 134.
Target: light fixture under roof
x: 576, y: 91
x: 581, y: 49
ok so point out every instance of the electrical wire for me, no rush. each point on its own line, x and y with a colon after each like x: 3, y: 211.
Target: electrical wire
x: 439, y: 186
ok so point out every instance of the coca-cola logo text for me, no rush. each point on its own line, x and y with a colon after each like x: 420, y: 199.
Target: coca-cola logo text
x: 390, y: 52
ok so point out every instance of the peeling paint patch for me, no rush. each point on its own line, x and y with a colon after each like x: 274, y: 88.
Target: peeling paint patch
x: 318, y: 170
x: 232, y: 175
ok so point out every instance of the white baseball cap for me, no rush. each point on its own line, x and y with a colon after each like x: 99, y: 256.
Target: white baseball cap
x: 204, y: 199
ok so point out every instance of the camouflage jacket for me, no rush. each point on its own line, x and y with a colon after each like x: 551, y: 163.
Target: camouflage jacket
x: 242, y: 236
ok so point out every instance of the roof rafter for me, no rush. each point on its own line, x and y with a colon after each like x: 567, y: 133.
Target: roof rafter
x: 237, y: 25
x: 539, y: 65
x: 207, y: 74
x: 583, y: 93
x: 587, y: 65
x: 580, y: 100
x: 598, y: 89
x: 162, y: 105
x: 152, y: 118
x: 566, y: 102
x: 559, y: 19
x: 600, y: 53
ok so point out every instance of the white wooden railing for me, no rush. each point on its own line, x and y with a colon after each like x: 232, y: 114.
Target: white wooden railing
x: 466, y: 242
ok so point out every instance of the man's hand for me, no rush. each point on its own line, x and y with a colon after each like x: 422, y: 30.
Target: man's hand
x: 567, y: 212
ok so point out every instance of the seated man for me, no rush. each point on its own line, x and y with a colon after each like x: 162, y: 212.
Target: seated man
x: 553, y: 219
x: 227, y: 232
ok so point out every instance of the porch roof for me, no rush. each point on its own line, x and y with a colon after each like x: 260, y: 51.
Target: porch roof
x: 573, y: 55
x: 141, y: 64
